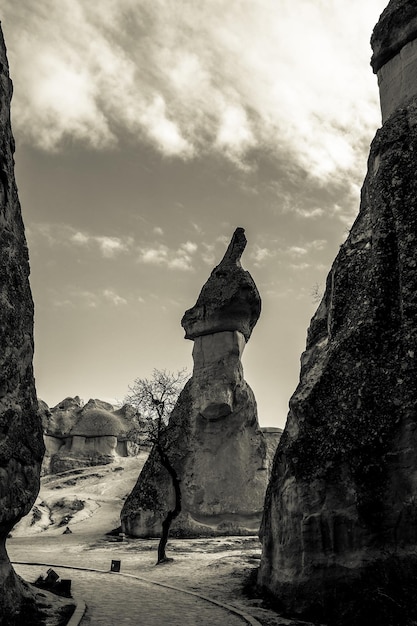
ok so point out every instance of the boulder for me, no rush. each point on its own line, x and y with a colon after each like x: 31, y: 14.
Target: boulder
x: 21, y: 444
x: 213, y: 439
x: 339, y: 530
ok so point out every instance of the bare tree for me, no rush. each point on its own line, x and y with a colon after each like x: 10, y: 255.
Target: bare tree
x: 155, y: 399
x: 316, y: 293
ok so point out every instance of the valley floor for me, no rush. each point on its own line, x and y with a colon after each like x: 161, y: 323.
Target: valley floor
x: 89, y: 502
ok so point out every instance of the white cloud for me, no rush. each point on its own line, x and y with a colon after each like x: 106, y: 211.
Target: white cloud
x: 260, y: 255
x: 207, y: 254
x: 158, y: 231
x: 288, y: 78
x: 310, y: 213
x: 113, y: 297
x: 64, y: 303
x: 180, y: 263
x: 297, y: 251
x: 154, y: 256
x: 63, y: 234
x: 164, y: 132
x: 179, y: 259
x: 189, y: 247
x: 75, y: 297
x: 234, y: 134
x: 110, y: 246
x: 317, y: 244
x: 300, y: 267
x: 308, y: 248
x: 80, y: 238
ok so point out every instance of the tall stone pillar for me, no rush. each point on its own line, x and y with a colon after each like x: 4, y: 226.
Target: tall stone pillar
x: 21, y: 443
x: 214, y: 441
x: 340, y: 524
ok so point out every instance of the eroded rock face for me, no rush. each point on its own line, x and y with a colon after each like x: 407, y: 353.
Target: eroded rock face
x: 214, y: 441
x: 340, y: 510
x: 229, y: 300
x: 21, y: 445
x: 394, y: 42
x: 93, y: 434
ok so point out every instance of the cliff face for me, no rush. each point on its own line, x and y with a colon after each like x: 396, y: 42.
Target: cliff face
x: 21, y: 444
x: 340, y: 511
x: 214, y: 442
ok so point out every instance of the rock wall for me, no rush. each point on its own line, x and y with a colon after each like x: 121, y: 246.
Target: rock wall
x: 339, y: 530
x: 21, y: 445
x: 213, y: 439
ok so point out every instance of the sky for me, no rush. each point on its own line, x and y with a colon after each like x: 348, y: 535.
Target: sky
x: 146, y: 132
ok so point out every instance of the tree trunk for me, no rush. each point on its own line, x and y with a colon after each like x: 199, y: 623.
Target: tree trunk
x: 171, y: 515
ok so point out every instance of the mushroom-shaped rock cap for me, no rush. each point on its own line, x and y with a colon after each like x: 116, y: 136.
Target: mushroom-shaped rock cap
x: 229, y: 300
x: 396, y: 27
x: 96, y: 422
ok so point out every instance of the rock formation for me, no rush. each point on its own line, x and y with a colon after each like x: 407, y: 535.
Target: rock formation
x: 394, y: 58
x: 93, y: 434
x: 339, y: 530
x: 21, y: 446
x: 213, y: 438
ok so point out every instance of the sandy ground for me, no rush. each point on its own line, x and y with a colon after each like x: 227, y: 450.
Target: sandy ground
x: 89, y: 502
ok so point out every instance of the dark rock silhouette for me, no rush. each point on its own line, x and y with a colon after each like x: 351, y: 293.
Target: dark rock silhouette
x: 21, y: 444
x: 339, y: 530
x: 213, y: 440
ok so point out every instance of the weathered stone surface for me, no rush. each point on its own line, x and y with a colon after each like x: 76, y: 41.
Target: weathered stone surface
x: 272, y: 437
x: 229, y: 300
x: 21, y: 446
x: 93, y: 434
x: 396, y: 27
x: 395, y: 55
x: 214, y: 442
x: 341, y: 507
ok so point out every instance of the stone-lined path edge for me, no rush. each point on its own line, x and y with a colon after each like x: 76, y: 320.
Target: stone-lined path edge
x: 81, y: 606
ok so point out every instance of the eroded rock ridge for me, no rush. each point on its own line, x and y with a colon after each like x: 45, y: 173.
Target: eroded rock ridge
x: 21, y: 445
x: 339, y: 530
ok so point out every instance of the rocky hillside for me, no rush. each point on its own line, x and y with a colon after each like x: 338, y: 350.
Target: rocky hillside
x: 80, y: 435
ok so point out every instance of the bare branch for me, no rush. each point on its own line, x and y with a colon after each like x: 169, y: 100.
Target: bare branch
x: 156, y: 397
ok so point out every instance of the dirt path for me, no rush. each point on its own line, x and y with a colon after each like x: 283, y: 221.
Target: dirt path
x: 114, y: 600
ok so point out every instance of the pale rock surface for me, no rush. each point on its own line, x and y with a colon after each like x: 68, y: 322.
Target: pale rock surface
x: 21, y: 445
x: 394, y: 42
x: 93, y: 434
x: 339, y: 530
x: 213, y: 441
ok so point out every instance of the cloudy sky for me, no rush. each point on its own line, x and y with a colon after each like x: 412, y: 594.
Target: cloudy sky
x: 146, y: 132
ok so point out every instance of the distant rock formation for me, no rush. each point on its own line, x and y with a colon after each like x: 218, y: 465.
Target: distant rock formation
x: 339, y: 530
x: 93, y: 434
x: 21, y: 446
x: 214, y: 442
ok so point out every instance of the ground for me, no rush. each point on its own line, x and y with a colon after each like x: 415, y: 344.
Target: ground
x: 89, y: 501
